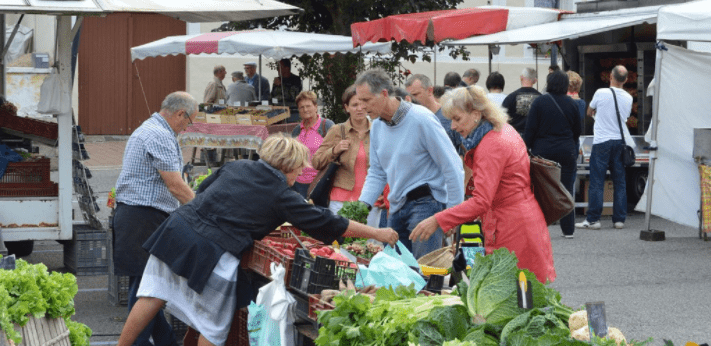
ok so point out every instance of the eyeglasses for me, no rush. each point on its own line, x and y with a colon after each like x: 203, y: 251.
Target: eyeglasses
x: 190, y: 121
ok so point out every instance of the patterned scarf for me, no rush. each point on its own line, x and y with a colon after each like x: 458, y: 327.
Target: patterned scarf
x: 471, y: 141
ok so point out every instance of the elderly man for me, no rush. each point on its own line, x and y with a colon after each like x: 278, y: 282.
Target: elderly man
x: 470, y: 77
x: 147, y: 190
x: 255, y: 79
x: 607, y: 150
x: 421, y: 89
x: 286, y: 87
x: 215, y: 90
x: 240, y: 91
x: 410, y: 151
x: 519, y: 102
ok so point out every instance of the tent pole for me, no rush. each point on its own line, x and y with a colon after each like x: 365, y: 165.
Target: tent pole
x: 260, y: 78
x: 64, y: 122
x: 647, y: 233
x: 490, y: 56
x: 434, y: 52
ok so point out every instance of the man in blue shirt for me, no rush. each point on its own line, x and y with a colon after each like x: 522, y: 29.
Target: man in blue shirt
x: 410, y: 151
x: 150, y: 187
x: 253, y: 79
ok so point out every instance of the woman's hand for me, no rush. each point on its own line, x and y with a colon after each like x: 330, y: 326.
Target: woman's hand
x: 424, y: 229
x: 342, y: 146
x: 387, y: 236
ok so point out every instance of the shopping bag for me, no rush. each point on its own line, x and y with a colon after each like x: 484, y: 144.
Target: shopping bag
x: 552, y: 196
x: 274, y: 326
x: 405, y: 255
x: 387, y: 268
x: 51, y: 96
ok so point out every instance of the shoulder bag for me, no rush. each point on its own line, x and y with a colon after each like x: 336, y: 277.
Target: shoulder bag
x: 552, y: 196
x: 320, y: 189
x: 628, y: 156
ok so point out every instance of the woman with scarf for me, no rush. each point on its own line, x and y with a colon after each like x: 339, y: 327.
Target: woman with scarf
x: 502, y: 195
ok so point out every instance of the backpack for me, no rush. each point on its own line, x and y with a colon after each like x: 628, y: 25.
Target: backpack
x: 326, y: 125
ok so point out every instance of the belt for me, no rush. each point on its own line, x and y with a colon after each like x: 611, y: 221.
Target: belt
x: 419, y: 192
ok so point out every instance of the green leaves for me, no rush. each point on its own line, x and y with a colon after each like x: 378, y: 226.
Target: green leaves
x: 492, y: 288
x: 356, y: 211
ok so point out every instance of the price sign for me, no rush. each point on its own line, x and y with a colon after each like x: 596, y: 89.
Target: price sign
x: 265, y: 103
x: 7, y: 262
x: 596, y: 318
x: 221, y: 101
x: 275, y: 101
x: 238, y: 103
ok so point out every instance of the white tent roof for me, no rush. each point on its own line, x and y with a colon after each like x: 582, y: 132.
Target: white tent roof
x: 689, y: 21
x: 568, y: 27
x: 269, y: 43
x: 187, y: 10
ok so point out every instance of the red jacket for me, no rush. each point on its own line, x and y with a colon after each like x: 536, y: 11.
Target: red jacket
x: 503, y: 199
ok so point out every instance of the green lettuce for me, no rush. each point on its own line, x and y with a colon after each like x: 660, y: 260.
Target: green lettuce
x: 491, y: 296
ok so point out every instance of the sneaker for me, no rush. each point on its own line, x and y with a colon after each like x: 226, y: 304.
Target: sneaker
x: 619, y: 225
x: 586, y: 224
x: 567, y: 236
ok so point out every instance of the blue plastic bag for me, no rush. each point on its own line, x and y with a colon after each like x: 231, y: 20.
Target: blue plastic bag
x: 405, y: 255
x: 388, y: 268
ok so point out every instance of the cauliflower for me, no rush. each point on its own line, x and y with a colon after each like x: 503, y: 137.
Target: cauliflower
x: 582, y: 334
x: 616, y: 334
x: 578, y: 320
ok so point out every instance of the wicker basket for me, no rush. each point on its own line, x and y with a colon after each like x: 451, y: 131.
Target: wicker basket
x: 441, y: 258
x: 41, y: 332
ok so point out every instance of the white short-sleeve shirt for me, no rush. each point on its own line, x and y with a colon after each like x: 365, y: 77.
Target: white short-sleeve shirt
x: 606, y: 126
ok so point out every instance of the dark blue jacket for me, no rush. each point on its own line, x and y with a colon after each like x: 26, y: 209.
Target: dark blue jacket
x: 550, y: 132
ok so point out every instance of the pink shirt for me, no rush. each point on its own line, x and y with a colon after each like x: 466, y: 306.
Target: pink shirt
x: 361, y: 170
x: 312, y: 140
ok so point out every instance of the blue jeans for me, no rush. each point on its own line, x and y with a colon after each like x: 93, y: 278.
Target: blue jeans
x: 158, y: 328
x: 404, y: 221
x: 604, y: 156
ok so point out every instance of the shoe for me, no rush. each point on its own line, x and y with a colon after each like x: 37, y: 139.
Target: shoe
x: 619, y: 225
x: 567, y: 236
x: 588, y: 225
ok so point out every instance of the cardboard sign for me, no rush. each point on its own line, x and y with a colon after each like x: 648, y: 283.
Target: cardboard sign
x: 596, y: 318
x: 7, y: 262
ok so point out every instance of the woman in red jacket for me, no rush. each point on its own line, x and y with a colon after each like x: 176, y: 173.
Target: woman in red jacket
x: 502, y: 194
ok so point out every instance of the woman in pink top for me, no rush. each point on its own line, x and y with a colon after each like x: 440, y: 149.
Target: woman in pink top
x: 352, y: 152
x: 310, y: 131
x: 502, y: 194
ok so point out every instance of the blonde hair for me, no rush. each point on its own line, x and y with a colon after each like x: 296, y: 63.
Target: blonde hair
x: 470, y: 99
x: 306, y: 95
x: 575, y: 81
x: 284, y: 153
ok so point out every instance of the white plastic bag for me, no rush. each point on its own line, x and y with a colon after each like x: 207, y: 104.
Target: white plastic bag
x: 386, y: 270
x: 272, y: 319
x: 51, y: 92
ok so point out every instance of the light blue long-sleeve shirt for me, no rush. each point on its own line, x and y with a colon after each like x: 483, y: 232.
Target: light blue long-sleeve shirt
x: 413, y: 152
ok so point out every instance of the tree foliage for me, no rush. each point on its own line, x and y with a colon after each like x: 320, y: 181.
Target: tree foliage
x: 332, y: 74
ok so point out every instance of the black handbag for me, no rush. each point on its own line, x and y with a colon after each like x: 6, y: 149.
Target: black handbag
x: 319, y: 191
x: 628, y: 155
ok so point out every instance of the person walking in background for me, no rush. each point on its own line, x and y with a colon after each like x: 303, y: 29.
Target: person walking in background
x: 470, y: 77
x: 240, y: 91
x: 286, y: 88
x: 410, y: 151
x: 310, y: 132
x: 438, y: 91
x: 519, y: 102
x: 420, y: 87
x: 573, y: 89
x: 495, y: 84
x: 452, y: 80
x: 148, y: 189
x: 553, y: 68
x: 553, y: 132
x: 352, y: 152
x: 607, y: 150
x: 503, y: 198
x: 215, y: 90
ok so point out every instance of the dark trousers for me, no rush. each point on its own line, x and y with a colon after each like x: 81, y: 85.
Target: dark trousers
x: 158, y: 328
x: 568, y: 171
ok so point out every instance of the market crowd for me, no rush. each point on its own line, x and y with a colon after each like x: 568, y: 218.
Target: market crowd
x: 421, y: 162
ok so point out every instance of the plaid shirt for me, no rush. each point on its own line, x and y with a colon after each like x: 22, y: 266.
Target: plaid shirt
x: 151, y: 148
x: 399, y: 113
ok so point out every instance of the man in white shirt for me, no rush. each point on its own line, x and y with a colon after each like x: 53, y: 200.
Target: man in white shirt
x: 608, y: 144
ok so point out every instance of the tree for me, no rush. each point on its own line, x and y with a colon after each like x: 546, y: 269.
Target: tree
x: 332, y: 74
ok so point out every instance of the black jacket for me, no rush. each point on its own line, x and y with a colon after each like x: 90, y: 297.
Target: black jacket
x: 548, y: 131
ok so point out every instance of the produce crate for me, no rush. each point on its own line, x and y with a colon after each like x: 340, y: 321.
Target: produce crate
x: 51, y: 190
x: 26, y: 179
x: 179, y: 328
x: 283, y: 232
x: 434, y: 283
x: 86, y: 253
x: 261, y: 256
x: 10, y: 120
x: 238, y: 335
x: 302, y: 307
x: 311, y: 275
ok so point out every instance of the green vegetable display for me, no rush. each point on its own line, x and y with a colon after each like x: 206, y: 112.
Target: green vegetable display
x: 195, y: 184
x: 356, y: 211
x: 30, y: 290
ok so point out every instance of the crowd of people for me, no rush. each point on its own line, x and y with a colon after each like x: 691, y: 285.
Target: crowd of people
x: 422, y: 165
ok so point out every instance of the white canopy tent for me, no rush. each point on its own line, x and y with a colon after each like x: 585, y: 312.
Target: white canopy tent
x: 202, y: 11
x: 682, y: 77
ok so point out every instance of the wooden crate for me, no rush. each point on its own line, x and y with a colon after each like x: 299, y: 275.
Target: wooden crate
x: 607, y: 196
x: 41, y: 332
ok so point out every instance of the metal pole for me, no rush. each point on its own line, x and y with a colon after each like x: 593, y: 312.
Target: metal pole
x: 2, y: 61
x: 6, y: 46
x: 260, y: 78
x: 434, y: 51
x: 64, y: 123
x: 491, y: 56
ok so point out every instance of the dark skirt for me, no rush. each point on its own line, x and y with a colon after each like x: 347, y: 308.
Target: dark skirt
x: 132, y: 226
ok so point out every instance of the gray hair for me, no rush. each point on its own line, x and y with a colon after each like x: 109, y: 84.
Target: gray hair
x: 424, y: 81
x: 377, y: 81
x: 238, y: 75
x: 529, y: 73
x: 618, y: 75
x: 472, y: 72
x: 179, y: 101
x: 218, y: 68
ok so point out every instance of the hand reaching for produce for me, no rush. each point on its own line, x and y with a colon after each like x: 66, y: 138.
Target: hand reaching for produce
x: 424, y: 229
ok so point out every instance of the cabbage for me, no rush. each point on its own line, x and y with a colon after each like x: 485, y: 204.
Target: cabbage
x: 491, y: 296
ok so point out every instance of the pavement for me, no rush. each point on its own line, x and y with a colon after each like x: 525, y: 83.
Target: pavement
x: 650, y: 289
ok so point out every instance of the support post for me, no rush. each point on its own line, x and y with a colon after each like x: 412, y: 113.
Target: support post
x: 64, y: 123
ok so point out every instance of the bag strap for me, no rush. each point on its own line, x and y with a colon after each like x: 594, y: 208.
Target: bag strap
x: 561, y: 111
x: 343, y: 136
x: 617, y: 109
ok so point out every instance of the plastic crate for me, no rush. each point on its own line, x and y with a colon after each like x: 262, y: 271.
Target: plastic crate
x: 179, y: 328
x: 434, y: 283
x: 51, y: 190
x: 86, y: 253
x: 312, y: 275
x: 302, y: 307
x: 316, y: 304
x: 26, y: 174
x: 259, y: 258
x: 238, y: 335
x: 284, y: 232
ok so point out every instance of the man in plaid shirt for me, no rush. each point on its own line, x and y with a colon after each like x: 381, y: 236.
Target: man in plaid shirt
x: 150, y: 187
